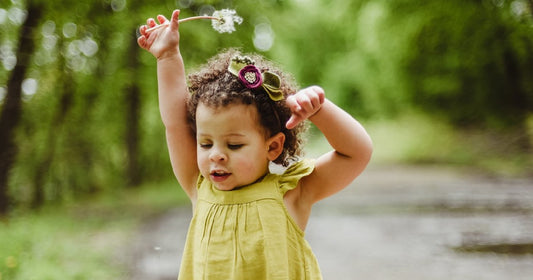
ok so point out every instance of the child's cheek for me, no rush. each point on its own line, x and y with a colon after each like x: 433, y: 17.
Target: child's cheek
x: 244, y: 163
x: 203, y: 164
x: 249, y: 166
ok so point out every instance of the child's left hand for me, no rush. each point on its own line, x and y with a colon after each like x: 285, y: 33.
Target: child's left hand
x: 304, y: 104
x: 163, y: 42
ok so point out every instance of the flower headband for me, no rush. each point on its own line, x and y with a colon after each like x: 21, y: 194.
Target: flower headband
x: 244, y: 68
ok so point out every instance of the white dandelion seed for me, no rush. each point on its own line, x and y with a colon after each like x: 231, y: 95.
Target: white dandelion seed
x: 222, y: 21
x: 225, y: 20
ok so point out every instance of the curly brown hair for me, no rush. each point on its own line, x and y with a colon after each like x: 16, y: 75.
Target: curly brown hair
x: 215, y: 86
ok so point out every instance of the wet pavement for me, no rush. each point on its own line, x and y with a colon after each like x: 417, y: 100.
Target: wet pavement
x: 394, y: 222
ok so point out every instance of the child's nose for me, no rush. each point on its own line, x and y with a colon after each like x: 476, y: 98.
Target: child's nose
x: 217, y: 155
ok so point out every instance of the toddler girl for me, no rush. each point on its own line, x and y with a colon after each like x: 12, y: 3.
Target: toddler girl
x: 239, y: 114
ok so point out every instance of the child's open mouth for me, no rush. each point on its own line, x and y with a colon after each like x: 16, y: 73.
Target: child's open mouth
x: 219, y: 176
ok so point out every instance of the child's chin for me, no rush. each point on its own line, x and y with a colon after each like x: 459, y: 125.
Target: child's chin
x: 225, y: 189
x: 222, y: 187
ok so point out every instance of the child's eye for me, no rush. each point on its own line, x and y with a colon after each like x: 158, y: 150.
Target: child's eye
x: 205, y: 145
x: 235, y: 146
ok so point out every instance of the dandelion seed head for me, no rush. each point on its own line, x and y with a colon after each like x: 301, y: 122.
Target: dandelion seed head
x: 226, y: 19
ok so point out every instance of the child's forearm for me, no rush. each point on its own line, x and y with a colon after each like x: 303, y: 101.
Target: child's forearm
x: 345, y: 134
x: 172, y: 88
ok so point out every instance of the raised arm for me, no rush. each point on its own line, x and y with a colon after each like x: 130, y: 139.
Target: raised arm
x: 352, y: 146
x: 163, y: 43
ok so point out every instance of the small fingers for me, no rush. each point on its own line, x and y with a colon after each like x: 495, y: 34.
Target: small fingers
x: 316, y: 95
x: 309, y: 100
x: 150, y: 22
x: 293, y: 121
x: 292, y: 103
x: 298, y: 113
x: 141, y: 41
x: 305, y: 102
x: 162, y: 19
x: 319, y: 92
x: 142, y: 30
x: 174, y: 20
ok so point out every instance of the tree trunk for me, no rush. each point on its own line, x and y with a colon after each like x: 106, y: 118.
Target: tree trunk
x: 12, y: 107
x: 133, y: 104
x: 66, y: 90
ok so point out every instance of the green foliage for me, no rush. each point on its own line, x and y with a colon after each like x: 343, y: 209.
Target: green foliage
x: 88, y: 239
x: 466, y: 63
x: 478, y: 67
x: 29, y: 249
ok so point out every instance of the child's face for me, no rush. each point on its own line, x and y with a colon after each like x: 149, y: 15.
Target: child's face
x: 232, y: 148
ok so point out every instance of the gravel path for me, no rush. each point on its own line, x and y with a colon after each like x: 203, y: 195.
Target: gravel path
x: 397, y: 222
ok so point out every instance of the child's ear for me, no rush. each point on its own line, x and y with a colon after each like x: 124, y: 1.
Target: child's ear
x: 275, y: 146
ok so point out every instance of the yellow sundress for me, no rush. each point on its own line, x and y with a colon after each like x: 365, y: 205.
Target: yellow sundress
x: 247, y: 233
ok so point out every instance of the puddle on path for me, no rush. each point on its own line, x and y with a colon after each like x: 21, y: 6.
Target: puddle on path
x: 509, y: 249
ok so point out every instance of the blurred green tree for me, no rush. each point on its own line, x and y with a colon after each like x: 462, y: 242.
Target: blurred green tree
x: 469, y: 62
x: 91, y: 122
x: 478, y: 70
x: 12, y: 106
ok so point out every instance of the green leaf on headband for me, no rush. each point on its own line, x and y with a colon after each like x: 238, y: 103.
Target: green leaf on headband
x: 235, y: 67
x: 271, y: 84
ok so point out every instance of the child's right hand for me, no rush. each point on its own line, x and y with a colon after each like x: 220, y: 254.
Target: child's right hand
x: 163, y: 41
x: 304, y: 104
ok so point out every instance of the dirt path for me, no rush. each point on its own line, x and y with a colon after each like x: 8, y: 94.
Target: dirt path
x: 395, y: 222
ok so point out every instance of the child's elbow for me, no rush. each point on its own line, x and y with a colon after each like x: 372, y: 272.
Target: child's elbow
x: 367, y: 150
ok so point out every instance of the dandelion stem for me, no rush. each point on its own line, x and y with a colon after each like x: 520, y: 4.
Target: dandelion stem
x: 197, y: 17
x: 181, y: 21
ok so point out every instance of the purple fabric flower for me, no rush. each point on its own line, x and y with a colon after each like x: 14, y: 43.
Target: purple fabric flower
x: 250, y: 76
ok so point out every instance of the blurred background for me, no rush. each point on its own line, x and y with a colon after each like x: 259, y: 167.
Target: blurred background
x: 82, y: 151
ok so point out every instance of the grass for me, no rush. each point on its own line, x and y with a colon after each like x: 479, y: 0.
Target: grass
x: 81, y: 240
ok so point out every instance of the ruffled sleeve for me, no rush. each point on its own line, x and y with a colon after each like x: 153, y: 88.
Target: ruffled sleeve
x: 290, y: 178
